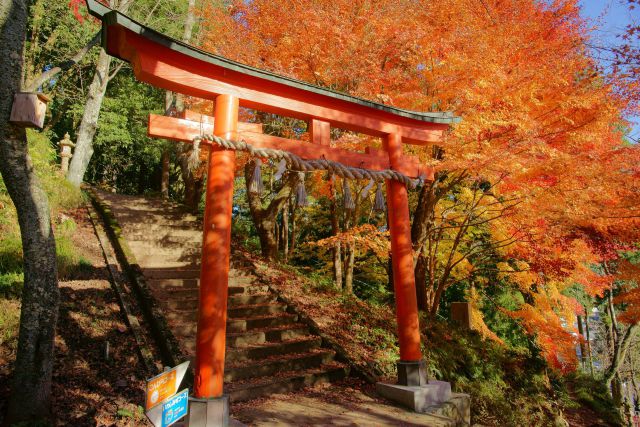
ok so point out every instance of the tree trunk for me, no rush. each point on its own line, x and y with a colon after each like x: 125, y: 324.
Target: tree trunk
x: 420, y: 229
x: 294, y: 227
x: 89, y: 124
x: 351, y: 220
x: 187, y: 175
x: 620, y: 348
x: 421, y: 283
x: 349, y: 259
x: 196, y: 196
x: 189, y: 22
x: 587, y: 328
x: 264, y: 219
x: 268, y: 242
x: 436, y: 299
x: 616, y: 393
x: 350, y: 263
x: 285, y: 231
x: 337, y: 265
x: 31, y: 389
x: 193, y: 185
x: 166, y: 164
x: 583, y: 356
x: 335, y: 229
x: 612, y: 313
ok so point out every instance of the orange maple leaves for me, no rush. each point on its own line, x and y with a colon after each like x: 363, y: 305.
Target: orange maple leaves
x: 538, y: 120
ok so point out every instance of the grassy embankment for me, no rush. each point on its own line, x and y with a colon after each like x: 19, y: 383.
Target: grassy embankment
x: 508, y: 386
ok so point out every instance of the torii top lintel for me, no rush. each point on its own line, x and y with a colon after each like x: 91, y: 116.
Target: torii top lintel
x: 167, y: 63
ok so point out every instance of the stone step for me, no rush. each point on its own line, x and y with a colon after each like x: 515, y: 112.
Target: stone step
x: 143, y: 206
x: 165, y: 259
x: 168, y: 236
x: 242, y: 325
x: 285, y: 383
x: 188, y: 288
x: 262, y: 351
x: 236, y: 277
x: 246, y: 296
x: 171, y: 273
x: 273, y: 334
x: 162, y: 213
x: 154, y: 263
x: 150, y: 252
x: 234, y: 324
x: 174, y: 284
x: 188, y: 309
x: 166, y: 227
x: 136, y: 203
x: 182, y: 329
x: 145, y: 215
x: 297, y: 361
x: 249, y: 305
x: 149, y: 247
x: 248, y: 290
x: 253, y: 310
x: 248, y: 299
x: 268, y: 350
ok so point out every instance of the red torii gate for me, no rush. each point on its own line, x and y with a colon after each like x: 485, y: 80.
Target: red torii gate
x: 172, y: 65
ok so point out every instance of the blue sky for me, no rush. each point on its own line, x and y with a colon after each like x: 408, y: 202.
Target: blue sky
x: 610, y: 17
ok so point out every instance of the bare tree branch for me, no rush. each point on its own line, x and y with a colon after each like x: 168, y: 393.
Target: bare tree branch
x: 65, y: 65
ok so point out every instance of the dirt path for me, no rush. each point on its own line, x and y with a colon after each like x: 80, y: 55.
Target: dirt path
x: 98, y: 376
x: 347, y: 403
x: 91, y: 388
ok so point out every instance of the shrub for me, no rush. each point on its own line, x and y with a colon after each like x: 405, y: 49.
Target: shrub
x: 508, y: 386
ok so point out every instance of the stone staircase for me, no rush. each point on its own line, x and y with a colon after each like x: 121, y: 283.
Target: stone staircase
x: 268, y: 349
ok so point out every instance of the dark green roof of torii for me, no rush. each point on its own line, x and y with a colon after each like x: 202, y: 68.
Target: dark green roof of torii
x: 112, y: 17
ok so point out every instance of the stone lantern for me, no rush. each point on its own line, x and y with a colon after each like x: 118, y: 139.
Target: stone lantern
x: 65, y: 152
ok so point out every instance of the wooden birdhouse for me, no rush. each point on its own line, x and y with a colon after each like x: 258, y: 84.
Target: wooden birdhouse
x: 29, y: 109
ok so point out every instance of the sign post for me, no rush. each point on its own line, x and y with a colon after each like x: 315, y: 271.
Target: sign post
x: 163, y: 406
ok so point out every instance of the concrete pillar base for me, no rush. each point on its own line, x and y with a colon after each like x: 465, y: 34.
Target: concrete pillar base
x: 212, y: 412
x: 416, y: 398
x: 413, y: 374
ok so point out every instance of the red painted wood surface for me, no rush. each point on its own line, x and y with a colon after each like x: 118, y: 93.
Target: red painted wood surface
x: 186, y: 130
x: 404, y: 284
x: 172, y: 70
x: 320, y: 132
x: 203, y: 118
x: 216, y: 247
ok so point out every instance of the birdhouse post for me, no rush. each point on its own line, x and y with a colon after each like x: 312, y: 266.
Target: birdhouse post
x: 29, y: 109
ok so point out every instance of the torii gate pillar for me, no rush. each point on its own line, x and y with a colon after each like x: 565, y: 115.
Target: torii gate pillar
x: 209, y: 406
x: 413, y: 389
x: 411, y: 368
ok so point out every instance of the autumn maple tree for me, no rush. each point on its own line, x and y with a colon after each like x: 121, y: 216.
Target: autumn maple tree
x: 536, y: 167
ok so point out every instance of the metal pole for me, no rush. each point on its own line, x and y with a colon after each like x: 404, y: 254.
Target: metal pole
x: 214, y: 275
